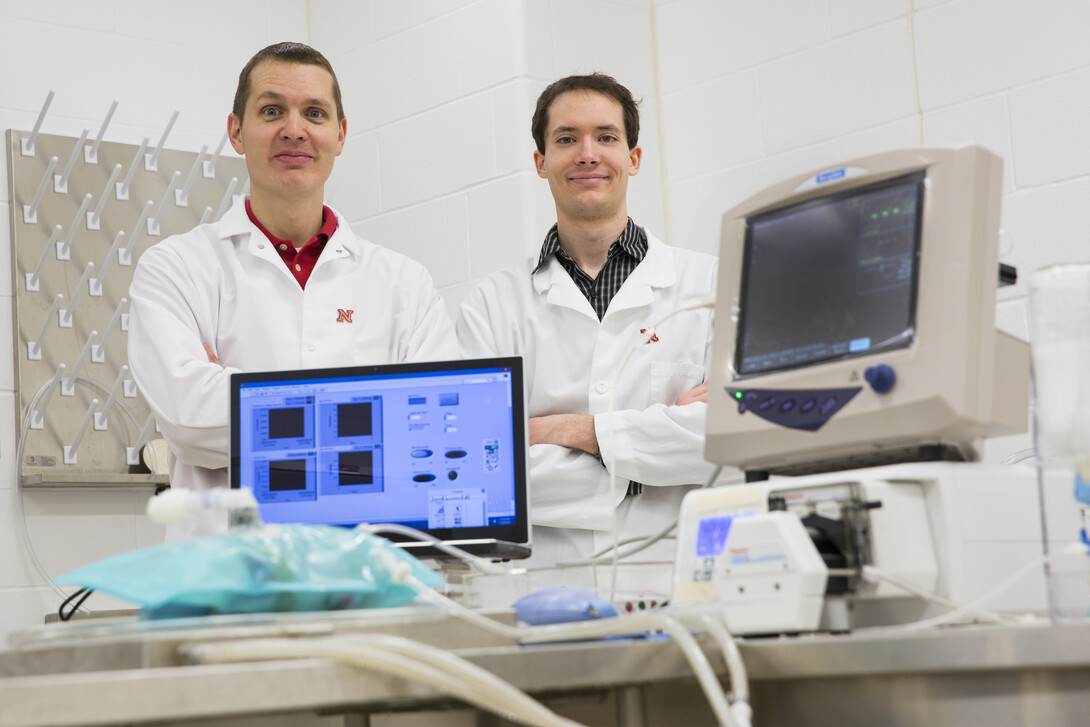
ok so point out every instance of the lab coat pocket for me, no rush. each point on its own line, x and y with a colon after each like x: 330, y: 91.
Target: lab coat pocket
x: 668, y: 381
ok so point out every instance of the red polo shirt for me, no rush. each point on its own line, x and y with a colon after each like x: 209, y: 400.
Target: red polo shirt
x: 300, y: 262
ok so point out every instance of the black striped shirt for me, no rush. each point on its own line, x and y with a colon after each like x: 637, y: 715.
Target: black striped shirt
x: 625, y: 253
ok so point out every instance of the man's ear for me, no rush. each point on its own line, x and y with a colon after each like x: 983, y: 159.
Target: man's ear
x: 539, y: 163
x: 234, y: 132
x: 342, y: 135
x: 635, y: 156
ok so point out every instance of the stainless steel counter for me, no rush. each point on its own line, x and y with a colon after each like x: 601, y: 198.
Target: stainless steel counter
x: 118, y: 674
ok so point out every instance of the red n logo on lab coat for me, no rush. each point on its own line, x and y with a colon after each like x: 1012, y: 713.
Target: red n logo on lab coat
x: 344, y: 316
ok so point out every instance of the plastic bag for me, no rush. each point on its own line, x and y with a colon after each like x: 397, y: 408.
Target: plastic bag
x: 263, y: 569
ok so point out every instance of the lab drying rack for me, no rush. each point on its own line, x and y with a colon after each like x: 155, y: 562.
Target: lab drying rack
x: 81, y: 215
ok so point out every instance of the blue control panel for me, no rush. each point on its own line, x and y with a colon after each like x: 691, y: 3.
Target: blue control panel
x: 806, y: 409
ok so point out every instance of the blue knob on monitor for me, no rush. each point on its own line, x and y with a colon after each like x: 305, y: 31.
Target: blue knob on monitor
x: 881, y: 378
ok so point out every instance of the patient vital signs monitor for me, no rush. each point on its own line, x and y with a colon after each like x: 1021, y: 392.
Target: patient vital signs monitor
x: 856, y: 318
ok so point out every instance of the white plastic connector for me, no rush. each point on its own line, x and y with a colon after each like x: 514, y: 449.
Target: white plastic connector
x: 743, y: 713
x: 173, y: 506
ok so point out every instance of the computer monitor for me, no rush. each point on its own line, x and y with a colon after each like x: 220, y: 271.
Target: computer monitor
x: 855, y: 318
x: 436, y: 446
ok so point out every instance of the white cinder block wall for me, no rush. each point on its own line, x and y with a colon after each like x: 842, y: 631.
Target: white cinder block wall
x: 438, y: 164
x: 153, y: 58
x: 737, y: 95
x: 441, y: 96
x: 751, y: 93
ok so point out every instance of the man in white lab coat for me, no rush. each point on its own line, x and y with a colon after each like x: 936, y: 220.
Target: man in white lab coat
x: 575, y: 312
x: 280, y: 282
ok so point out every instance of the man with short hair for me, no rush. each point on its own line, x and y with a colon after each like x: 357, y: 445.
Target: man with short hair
x: 280, y: 282
x: 576, y: 312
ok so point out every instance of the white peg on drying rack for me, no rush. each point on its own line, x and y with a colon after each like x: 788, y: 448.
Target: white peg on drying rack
x: 210, y: 165
x: 60, y: 182
x: 94, y: 219
x: 30, y: 211
x: 64, y: 248
x: 227, y: 197
x: 98, y: 352
x: 70, y: 451
x: 95, y: 288
x: 37, y: 416
x: 68, y: 383
x: 153, y: 223
x: 100, y: 416
x: 123, y: 187
x: 90, y: 155
x: 34, y: 348
x: 132, y: 453
x: 245, y: 188
x: 181, y: 196
x: 66, y: 314
x: 151, y: 161
x: 124, y: 256
x: 206, y: 216
x: 27, y: 145
x: 32, y: 278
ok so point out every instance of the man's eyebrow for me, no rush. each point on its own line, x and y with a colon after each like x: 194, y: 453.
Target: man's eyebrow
x: 571, y: 129
x: 274, y: 96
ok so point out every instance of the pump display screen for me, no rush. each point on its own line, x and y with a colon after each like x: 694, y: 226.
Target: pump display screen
x: 831, y: 278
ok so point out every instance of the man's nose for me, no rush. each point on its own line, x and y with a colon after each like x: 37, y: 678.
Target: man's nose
x: 588, y: 152
x: 293, y: 127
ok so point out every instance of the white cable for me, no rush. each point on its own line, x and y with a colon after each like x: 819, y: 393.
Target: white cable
x: 736, y: 667
x: 871, y: 574
x: 402, y: 658
x: 479, y: 563
x: 973, y: 605
x: 639, y: 623
x: 648, y: 334
x: 1020, y: 456
x: 646, y: 541
x: 466, y: 614
x: 627, y: 625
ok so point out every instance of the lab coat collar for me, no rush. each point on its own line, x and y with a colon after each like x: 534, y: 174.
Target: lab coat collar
x: 235, y: 222
x: 655, y: 271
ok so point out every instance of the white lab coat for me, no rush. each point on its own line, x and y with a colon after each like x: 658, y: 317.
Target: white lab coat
x: 224, y: 284
x: 571, y: 361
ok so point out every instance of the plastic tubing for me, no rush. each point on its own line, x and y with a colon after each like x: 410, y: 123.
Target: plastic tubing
x: 638, y: 623
x: 644, y: 541
x: 512, y: 699
x: 480, y: 563
x: 871, y: 573
x: 645, y: 337
x: 618, y: 626
x: 974, y: 605
x: 739, y: 677
x: 397, y: 657
x: 466, y: 614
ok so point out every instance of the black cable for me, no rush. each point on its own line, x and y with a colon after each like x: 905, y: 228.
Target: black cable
x: 82, y: 594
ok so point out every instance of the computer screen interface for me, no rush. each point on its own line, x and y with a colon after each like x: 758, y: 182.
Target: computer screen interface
x: 434, y: 450
x: 830, y: 278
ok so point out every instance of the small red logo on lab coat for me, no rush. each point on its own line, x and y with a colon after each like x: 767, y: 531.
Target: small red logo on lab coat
x: 654, y: 336
x: 344, y: 316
